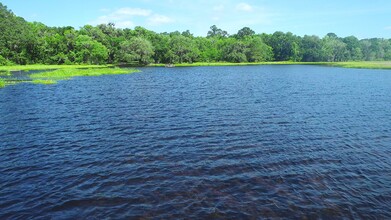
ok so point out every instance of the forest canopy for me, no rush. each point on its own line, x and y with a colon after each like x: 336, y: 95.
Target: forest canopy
x: 23, y: 42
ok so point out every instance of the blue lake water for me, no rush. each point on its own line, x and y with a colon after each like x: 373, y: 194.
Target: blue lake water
x: 204, y: 142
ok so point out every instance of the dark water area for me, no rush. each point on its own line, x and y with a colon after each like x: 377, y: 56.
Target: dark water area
x: 205, y: 142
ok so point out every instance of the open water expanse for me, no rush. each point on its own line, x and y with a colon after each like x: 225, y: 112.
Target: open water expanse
x: 202, y: 142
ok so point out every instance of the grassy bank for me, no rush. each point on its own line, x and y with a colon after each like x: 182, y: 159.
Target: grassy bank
x: 362, y: 65
x: 358, y: 64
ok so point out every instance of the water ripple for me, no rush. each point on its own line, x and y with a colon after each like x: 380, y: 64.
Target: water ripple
x: 207, y: 142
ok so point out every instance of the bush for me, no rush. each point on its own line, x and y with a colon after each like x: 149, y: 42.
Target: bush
x: 4, y: 62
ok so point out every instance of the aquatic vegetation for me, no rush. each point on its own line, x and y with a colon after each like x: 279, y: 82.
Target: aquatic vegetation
x: 44, y: 81
x: 2, y: 83
x: 64, y: 74
x: 5, y: 73
x: 51, y: 77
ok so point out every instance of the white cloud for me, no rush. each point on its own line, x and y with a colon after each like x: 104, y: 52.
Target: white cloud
x: 157, y: 19
x: 126, y: 18
x: 132, y: 12
x: 244, y: 7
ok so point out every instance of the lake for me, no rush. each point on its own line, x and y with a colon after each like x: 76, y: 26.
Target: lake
x: 273, y: 141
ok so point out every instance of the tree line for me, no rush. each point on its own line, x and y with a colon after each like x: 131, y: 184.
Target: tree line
x: 23, y: 42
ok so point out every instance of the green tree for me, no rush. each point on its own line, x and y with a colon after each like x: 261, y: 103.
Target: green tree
x: 112, y: 40
x: 257, y: 50
x: 245, y: 32
x: 209, y: 49
x: 137, y: 50
x: 216, y: 32
x: 182, y: 50
x: 161, y: 46
x: 235, y: 51
x: 353, y: 48
x: 90, y: 51
x: 311, y: 48
x: 333, y: 49
x: 285, y: 46
x: 16, y: 36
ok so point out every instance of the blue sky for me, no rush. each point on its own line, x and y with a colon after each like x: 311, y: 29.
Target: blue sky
x: 361, y: 18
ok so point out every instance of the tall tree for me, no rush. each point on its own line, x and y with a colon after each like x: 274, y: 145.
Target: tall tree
x: 353, y: 48
x: 235, y: 51
x: 90, y: 51
x: 311, y: 48
x: 182, y: 49
x: 285, y: 46
x: 245, y: 32
x: 333, y: 49
x: 16, y: 35
x: 137, y: 50
x: 217, y: 32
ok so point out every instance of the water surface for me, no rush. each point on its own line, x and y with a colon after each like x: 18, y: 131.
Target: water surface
x: 201, y: 142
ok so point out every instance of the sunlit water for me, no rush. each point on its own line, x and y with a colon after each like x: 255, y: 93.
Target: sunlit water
x: 203, y: 142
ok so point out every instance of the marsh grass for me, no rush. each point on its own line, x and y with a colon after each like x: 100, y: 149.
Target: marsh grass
x: 5, y: 73
x: 364, y: 65
x: 64, y: 74
x: 2, y: 83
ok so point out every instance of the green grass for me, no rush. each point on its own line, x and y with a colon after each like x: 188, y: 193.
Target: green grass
x: 64, y: 74
x: 51, y: 77
x: 48, y: 67
x: 2, y: 83
x: 5, y: 73
x: 361, y: 64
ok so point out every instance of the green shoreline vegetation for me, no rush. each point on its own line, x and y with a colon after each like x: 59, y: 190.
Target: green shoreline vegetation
x: 6, y: 70
x: 66, y: 74
x: 49, y: 67
x: 2, y: 83
x: 26, y: 43
x: 358, y: 64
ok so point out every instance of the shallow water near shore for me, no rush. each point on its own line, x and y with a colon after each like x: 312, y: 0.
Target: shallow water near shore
x: 242, y: 142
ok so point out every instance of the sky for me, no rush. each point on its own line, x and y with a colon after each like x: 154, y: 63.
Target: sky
x: 360, y: 18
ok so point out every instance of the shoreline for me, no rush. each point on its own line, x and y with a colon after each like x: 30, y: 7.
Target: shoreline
x: 50, y: 67
x: 357, y: 65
